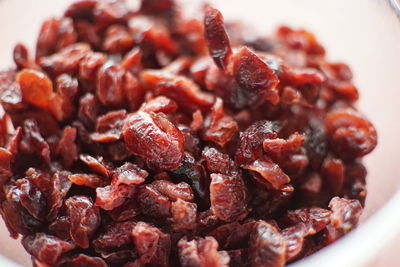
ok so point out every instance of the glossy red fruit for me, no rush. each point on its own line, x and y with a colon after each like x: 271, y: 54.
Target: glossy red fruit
x: 155, y: 138
x: 217, y: 38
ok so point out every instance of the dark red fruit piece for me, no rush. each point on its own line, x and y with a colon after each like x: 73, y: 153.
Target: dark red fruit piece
x: 156, y: 6
x: 46, y: 248
x: 60, y: 227
x: 294, y: 237
x: 201, y: 252
x: 110, y: 85
x: 160, y: 104
x: 89, y: 66
x: 54, y: 35
x: 184, y: 91
x: 217, y: 38
x: 128, y: 174
x: 67, y: 147
x: 109, y: 12
x: 228, y: 196
x: 110, y: 197
x: 255, y: 75
x: 81, y: 9
x: 183, y: 215
x: 315, y: 219
x: 96, y: 164
x: 173, y: 191
x: 66, y: 60
x: 278, y: 148
x: 127, y: 211
x: 217, y: 161
x: 152, y: 245
x: 155, y: 138
x: 269, y: 171
x: 109, y: 127
x: 10, y: 91
x: 218, y: 127
x: 84, y: 218
x: 89, y: 107
x: 21, y: 56
x: 251, y: 140
x: 33, y: 142
x: 82, y: 260
x: 267, y: 247
x: 89, y: 180
x: 116, y: 236
x: 345, y: 216
x: 153, y: 203
x: 117, y: 40
x: 351, y: 135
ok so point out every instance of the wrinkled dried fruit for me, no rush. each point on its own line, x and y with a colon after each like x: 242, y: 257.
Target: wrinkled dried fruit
x: 46, y: 248
x: 154, y: 138
x: 85, y: 219
x: 217, y: 38
x: 351, y: 135
x: 228, y: 197
x: 267, y: 247
x: 146, y: 137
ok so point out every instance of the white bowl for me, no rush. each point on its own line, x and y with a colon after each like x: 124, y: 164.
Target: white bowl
x: 363, y: 33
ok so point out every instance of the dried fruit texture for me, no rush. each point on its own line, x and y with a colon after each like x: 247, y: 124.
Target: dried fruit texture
x: 129, y: 174
x: 269, y: 171
x: 155, y: 138
x: 228, y: 197
x: 111, y: 197
x: 152, y: 245
x: 85, y: 219
x: 55, y: 34
x: 67, y: 147
x: 81, y: 260
x: 267, y: 246
x: 217, y: 161
x: 350, y: 134
x: 217, y: 38
x: 115, y: 237
x: 344, y: 217
x: 314, y: 219
x: 10, y: 91
x: 251, y: 140
x: 109, y: 127
x: 202, y: 252
x: 46, y: 248
x: 66, y: 60
x: 255, y: 76
x: 218, y: 127
x: 147, y: 137
x: 184, y: 91
x: 36, y: 88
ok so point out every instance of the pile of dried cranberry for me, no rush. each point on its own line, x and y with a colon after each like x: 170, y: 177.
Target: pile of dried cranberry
x: 146, y: 138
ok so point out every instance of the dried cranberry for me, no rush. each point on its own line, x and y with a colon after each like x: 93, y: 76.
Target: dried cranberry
x: 217, y: 38
x: 46, y: 248
x: 267, y: 247
x: 251, y: 140
x: 85, y: 219
x: 228, y: 197
x: 254, y: 75
x: 201, y: 252
x: 152, y: 245
x: 218, y: 127
x: 155, y: 138
x: 351, y: 135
